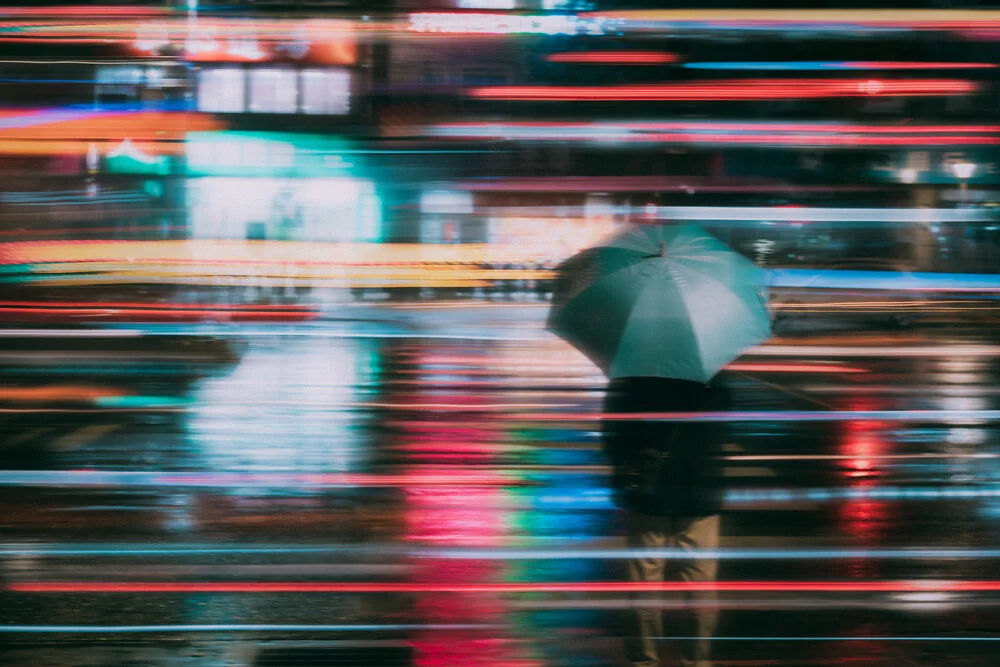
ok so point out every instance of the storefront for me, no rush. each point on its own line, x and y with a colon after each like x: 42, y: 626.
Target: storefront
x: 277, y: 186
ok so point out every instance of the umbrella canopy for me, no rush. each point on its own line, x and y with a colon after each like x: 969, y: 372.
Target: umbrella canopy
x: 666, y: 301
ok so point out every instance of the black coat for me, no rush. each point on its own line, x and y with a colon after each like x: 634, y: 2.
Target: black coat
x: 665, y: 468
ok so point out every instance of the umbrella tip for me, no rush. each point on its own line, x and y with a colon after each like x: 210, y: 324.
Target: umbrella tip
x: 663, y: 248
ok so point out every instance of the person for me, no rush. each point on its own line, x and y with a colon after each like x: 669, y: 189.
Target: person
x: 667, y: 479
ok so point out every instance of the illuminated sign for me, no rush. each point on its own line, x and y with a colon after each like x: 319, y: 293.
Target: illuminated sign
x: 265, y: 154
x: 486, y: 4
x: 507, y: 24
x: 326, y: 42
x: 938, y: 166
x: 127, y: 158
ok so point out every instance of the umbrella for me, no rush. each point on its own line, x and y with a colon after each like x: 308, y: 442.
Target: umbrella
x: 667, y: 301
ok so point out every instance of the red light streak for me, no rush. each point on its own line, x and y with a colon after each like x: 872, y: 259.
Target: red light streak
x: 99, y: 10
x: 414, y: 479
x: 532, y: 587
x: 149, y: 306
x: 614, y: 57
x: 752, y: 127
x: 793, y: 139
x: 794, y: 368
x: 62, y: 40
x: 902, y: 65
x: 860, y: 468
x: 109, y: 312
x: 740, y: 89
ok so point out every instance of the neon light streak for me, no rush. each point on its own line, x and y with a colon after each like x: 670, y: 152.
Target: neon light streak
x: 746, y: 89
x: 732, y: 126
x: 125, y: 550
x: 775, y: 415
x: 118, y: 629
x: 821, y: 65
x: 613, y: 57
x: 239, y: 480
x: 515, y: 587
x: 794, y: 368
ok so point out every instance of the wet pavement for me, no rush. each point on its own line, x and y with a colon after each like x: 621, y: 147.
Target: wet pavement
x: 422, y: 484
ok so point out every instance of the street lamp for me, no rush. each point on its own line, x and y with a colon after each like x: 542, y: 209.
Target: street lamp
x: 963, y: 170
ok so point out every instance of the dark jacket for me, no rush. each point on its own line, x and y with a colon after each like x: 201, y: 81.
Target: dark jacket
x: 665, y: 468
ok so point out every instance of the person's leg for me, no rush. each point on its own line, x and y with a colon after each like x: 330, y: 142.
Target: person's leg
x: 699, y: 533
x: 646, y: 532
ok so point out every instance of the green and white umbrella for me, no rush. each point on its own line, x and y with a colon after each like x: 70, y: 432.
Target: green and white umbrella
x: 667, y: 301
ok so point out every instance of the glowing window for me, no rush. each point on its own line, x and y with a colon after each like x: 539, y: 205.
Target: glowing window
x: 326, y: 91
x: 273, y: 90
x: 222, y: 90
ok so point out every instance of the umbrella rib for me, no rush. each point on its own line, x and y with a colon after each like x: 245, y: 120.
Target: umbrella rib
x: 657, y: 287
x: 739, y: 301
x: 674, y: 277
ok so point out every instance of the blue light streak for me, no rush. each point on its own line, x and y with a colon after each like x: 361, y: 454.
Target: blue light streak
x: 538, y: 553
x: 881, y: 280
x: 817, y: 65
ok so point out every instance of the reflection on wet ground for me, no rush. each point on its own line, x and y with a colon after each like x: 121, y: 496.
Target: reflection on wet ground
x: 424, y: 486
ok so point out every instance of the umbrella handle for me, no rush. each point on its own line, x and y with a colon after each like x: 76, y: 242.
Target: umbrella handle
x: 662, y: 253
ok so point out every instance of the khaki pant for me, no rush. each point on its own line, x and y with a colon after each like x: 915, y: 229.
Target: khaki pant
x: 665, y: 532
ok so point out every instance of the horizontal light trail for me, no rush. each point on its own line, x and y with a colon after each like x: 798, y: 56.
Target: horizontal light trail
x: 841, y: 638
x: 70, y: 333
x: 769, y: 416
x: 794, y: 368
x: 796, y: 139
x: 844, y: 457
x: 436, y: 407
x: 707, y: 554
x: 131, y: 550
x: 882, y: 280
x: 813, y: 214
x: 473, y: 128
x: 493, y: 478
x: 135, y: 629
x: 740, y: 89
x: 771, y: 604
x: 118, y: 629
x: 831, y: 65
x: 613, y: 57
x: 91, y: 230
x: 472, y: 553
x: 111, y: 403
x: 600, y: 499
x: 811, y: 19
x: 883, y: 586
x: 590, y: 499
x: 111, y: 312
x: 889, y: 352
x: 737, y: 497
x: 211, y: 329
x: 112, y: 305
x: 238, y: 480
x: 100, y: 11
x: 338, y: 330
x: 85, y: 411
x: 166, y: 403
x: 456, y: 362
x: 148, y: 62
x: 88, y: 411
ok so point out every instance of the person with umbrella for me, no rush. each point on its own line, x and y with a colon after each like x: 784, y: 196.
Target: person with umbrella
x: 661, y: 309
